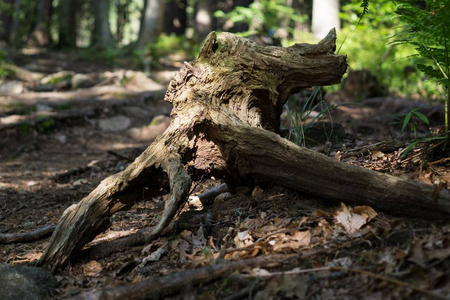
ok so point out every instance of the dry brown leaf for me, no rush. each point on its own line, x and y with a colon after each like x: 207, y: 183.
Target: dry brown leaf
x: 296, y: 240
x: 30, y: 256
x: 366, y: 211
x: 376, y: 155
x: 257, y: 191
x: 92, y: 269
x: 243, y: 239
x: 158, y: 253
x: 354, y: 219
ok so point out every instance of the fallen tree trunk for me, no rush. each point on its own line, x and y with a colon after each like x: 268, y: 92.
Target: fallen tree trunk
x: 224, y: 123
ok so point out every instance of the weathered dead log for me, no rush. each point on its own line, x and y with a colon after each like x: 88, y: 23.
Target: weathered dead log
x: 264, y: 154
x: 224, y: 123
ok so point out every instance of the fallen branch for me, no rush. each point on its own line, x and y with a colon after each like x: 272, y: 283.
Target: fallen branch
x: 26, y: 237
x: 207, y: 198
x: 166, y: 285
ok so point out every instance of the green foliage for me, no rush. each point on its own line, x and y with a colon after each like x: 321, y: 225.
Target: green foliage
x: 5, y: 71
x: 429, y: 31
x: 425, y: 140
x: 412, y: 122
x: 24, y: 128
x: 371, y: 47
x: 108, y: 55
x: 58, y: 79
x: 64, y: 106
x: 178, y: 47
x: 299, y: 112
x: 263, y: 16
x: 45, y: 126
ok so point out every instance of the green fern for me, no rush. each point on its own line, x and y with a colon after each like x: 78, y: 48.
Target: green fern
x: 365, y: 7
x: 428, y: 30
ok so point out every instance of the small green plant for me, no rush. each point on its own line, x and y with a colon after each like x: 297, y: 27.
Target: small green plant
x: 45, y: 126
x: 59, y: 79
x: 24, y: 128
x: 64, y: 106
x: 299, y: 113
x: 5, y: 70
x: 412, y: 122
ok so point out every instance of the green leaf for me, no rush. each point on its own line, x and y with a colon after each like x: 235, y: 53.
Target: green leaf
x: 406, y: 120
x: 445, y: 82
x: 422, y: 117
x: 409, y: 148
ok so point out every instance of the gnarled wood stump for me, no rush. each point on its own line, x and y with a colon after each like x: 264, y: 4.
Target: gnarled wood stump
x: 224, y: 122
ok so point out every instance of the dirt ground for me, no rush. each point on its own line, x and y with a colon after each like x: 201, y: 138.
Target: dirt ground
x: 55, y: 148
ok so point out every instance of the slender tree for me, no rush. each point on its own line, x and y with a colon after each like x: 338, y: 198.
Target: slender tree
x: 175, y: 17
x: 67, y: 20
x: 6, y: 12
x: 102, y: 36
x: 204, y: 18
x: 325, y: 15
x: 14, y: 30
x: 40, y: 35
x: 122, y: 9
x: 151, y: 22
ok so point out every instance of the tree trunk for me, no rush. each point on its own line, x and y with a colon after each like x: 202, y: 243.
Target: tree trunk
x: 122, y: 19
x: 13, y: 41
x: 41, y: 35
x: 6, y: 13
x: 102, y: 36
x: 67, y: 19
x: 224, y: 123
x: 175, y: 17
x: 325, y: 15
x: 204, y: 21
x: 151, y: 22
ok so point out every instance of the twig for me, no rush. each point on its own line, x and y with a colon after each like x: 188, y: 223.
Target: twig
x: 292, y: 272
x: 440, y: 161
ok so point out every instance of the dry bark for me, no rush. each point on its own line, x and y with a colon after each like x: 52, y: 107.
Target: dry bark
x: 224, y: 123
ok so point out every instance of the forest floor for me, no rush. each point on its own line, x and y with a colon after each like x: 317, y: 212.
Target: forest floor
x: 58, y: 141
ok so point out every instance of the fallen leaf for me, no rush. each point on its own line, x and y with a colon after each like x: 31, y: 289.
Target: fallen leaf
x: 158, y: 253
x: 92, y: 269
x: 243, y: 239
x: 30, y: 256
x: 344, y: 262
x: 296, y: 240
x: 354, y: 219
x: 366, y: 211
